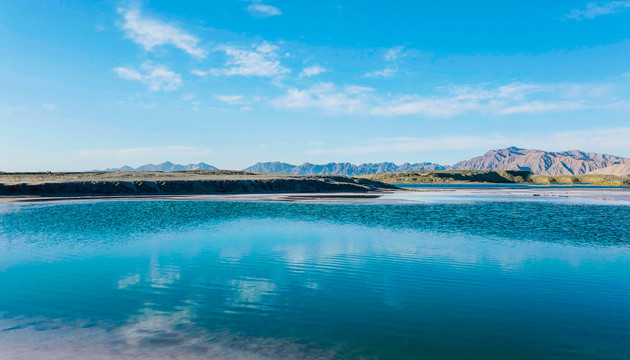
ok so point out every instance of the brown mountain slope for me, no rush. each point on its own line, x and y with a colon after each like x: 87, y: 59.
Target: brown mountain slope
x: 573, y: 162
x: 616, y: 170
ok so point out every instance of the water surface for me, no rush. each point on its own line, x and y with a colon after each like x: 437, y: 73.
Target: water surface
x: 232, y: 280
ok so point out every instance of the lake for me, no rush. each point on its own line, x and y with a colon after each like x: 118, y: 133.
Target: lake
x: 264, y: 280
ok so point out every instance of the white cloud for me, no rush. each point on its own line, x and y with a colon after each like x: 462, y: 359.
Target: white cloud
x: 431, y: 107
x: 325, y: 96
x: 514, y: 98
x: 50, y: 106
x: 150, y: 33
x: 199, y: 73
x: 540, y: 106
x: 357, y: 89
x: 312, y: 71
x: 231, y: 99
x: 394, y: 53
x: 409, y: 144
x: 391, y: 56
x: 599, y: 140
x: 156, y: 77
x: 189, y: 97
x: 387, y: 72
x: 259, y: 9
x: 596, y: 9
x: 510, y: 99
x: 262, y: 60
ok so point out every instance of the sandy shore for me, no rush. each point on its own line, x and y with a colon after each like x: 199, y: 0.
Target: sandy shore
x: 262, y: 197
x: 611, y: 196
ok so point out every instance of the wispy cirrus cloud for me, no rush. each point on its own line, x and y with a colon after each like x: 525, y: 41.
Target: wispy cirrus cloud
x: 260, y: 60
x: 392, y: 55
x: 231, y: 99
x: 258, y: 9
x: 415, y: 144
x: 595, y: 9
x: 386, y: 72
x: 312, y: 71
x: 150, y: 33
x: 325, y: 96
x: 509, y: 99
x: 199, y: 73
x: 156, y: 77
x: 597, y: 139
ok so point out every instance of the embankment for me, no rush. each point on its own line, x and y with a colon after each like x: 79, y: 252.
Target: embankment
x: 494, y: 177
x: 180, y: 183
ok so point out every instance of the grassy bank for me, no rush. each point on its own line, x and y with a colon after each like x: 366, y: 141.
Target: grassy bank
x: 184, y: 182
x: 494, y: 177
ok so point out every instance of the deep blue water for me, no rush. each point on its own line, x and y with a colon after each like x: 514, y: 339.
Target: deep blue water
x: 246, y: 280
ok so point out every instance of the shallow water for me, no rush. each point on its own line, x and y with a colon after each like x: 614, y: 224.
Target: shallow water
x: 608, y: 197
x: 231, y: 280
x: 507, y: 186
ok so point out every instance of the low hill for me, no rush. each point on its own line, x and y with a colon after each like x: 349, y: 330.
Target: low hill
x: 452, y: 176
x: 181, y: 183
x: 495, y: 177
x: 615, y: 170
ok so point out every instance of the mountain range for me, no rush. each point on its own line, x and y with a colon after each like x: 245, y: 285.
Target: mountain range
x: 341, y: 168
x: 573, y: 162
x: 166, y: 166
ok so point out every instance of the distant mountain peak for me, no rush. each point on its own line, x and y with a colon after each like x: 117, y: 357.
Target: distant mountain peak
x: 344, y: 168
x: 166, y: 167
x: 270, y: 167
x: 572, y: 162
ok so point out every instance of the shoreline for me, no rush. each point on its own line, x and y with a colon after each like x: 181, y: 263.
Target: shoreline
x: 221, y: 185
x: 496, y: 177
x: 255, y: 197
x: 610, y: 195
x: 184, y: 183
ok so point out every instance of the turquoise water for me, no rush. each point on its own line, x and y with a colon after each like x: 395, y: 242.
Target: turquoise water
x: 247, y: 280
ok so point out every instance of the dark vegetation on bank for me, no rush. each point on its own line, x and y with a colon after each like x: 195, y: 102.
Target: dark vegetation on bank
x: 494, y: 177
x: 198, y: 182
x: 184, y: 183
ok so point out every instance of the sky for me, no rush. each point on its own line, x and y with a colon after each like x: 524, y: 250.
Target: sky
x: 97, y: 84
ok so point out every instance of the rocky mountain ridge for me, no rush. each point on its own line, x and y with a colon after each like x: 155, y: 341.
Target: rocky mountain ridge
x: 166, y: 166
x: 341, y: 168
x: 573, y: 162
x: 614, y: 170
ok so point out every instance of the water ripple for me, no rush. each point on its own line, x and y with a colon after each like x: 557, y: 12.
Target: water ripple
x: 279, y: 281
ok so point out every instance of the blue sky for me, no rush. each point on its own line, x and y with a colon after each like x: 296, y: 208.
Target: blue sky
x: 87, y: 85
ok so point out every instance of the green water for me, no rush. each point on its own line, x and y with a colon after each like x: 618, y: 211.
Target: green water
x: 230, y: 280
